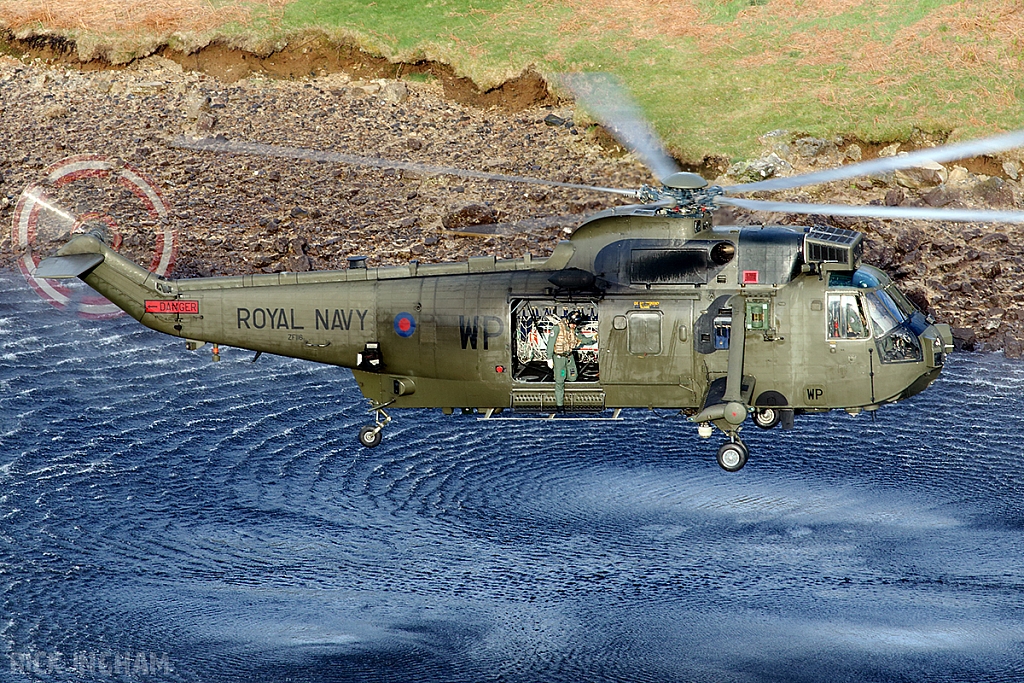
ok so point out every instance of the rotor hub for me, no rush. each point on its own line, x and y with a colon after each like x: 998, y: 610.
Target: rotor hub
x: 687, y: 199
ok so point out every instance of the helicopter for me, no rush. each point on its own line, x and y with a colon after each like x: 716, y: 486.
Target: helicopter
x: 720, y: 322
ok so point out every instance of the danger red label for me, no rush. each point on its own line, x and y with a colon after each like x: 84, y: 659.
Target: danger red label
x: 176, y: 307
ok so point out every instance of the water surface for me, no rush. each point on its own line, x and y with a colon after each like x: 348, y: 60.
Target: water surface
x: 163, y: 517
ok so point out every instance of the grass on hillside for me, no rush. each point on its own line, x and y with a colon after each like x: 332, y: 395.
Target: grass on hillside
x: 712, y: 74
x: 130, y: 16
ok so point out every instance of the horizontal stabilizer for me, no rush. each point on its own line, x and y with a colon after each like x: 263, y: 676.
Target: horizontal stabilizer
x: 59, y: 267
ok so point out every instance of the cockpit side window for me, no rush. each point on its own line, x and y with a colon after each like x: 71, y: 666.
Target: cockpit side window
x: 846, y: 317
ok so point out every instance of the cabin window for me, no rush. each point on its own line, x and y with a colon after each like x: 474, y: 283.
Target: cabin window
x: 846, y: 317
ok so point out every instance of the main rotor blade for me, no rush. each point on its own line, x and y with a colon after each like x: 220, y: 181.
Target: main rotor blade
x: 963, y: 150
x: 306, y: 154
x: 910, y: 212
x: 603, y: 96
x: 509, y: 228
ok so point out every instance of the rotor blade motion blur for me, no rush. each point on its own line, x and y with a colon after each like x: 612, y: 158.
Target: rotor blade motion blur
x: 909, y: 212
x: 306, y: 154
x: 603, y: 96
x: 973, y: 148
x: 509, y: 228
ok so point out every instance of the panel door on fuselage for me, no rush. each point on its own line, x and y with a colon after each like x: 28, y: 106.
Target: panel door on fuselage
x: 851, y: 350
x: 647, y: 352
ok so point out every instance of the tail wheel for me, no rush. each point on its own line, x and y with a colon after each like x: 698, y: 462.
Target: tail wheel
x: 732, y: 456
x: 767, y: 418
x: 370, y: 436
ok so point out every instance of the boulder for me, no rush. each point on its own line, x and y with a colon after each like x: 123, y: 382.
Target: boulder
x: 296, y: 261
x: 196, y: 103
x: 759, y: 169
x: 925, y: 174
x: 964, y: 339
x: 813, y: 147
x: 995, y: 192
x: 895, y: 196
x: 992, y: 239
x: 1012, y: 347
x: 394, y: 92
x: 910, y: 239
x: 473, y: 213
x: 364, y: 88
x: 959, y: 176
x: 890, y: 150
x: 919, y: 298
x: 943, y: 195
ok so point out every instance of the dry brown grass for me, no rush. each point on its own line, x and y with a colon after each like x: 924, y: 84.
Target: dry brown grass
x: 641, y: 17
x: 968, y: 37
x: 678, y: 18
x: 977, y: 36
x: 107, y: 16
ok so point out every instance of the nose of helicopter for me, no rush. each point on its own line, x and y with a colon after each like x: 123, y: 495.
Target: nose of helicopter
x: 936, y: 344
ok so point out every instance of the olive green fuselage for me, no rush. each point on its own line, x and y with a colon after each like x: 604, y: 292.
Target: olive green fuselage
x: 668, y: 298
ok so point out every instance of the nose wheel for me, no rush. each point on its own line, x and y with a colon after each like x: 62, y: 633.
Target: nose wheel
x: 732, y: 455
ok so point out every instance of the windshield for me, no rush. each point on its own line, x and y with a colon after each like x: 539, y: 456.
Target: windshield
x: 885, y: 313
x: 888, y: 314
x: 901, y: 301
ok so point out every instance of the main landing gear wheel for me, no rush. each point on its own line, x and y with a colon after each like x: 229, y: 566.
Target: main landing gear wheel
x: 767, y: 418
x: 370, y: 436
x: 732, y: 456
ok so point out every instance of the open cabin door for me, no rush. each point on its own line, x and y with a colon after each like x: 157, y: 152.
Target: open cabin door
x: 534, y: 321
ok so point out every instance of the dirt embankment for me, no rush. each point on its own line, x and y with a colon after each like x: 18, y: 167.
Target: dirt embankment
x: 245, y: 213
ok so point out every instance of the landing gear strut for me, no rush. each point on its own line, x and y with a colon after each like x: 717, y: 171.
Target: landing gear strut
x: 370, y: 435
x: 732, y: 455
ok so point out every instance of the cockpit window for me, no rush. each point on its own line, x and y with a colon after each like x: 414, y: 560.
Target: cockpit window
x: 902, y: 301
x: 846, y: 317
x: 885, y: 314
x: 895, y: 342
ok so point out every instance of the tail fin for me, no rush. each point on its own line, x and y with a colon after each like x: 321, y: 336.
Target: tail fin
x: 126, y: 284
x: 63, y: 267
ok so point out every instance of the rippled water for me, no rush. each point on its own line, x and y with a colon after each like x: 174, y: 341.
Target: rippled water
x: 163, y: 517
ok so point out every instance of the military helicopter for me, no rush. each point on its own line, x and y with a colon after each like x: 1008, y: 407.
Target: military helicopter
x: 673, y: 312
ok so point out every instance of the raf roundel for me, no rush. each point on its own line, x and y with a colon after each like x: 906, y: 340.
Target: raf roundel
x: 405, y: 325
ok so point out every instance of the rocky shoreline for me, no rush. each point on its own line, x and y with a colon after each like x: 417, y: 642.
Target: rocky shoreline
x: 243, y: 213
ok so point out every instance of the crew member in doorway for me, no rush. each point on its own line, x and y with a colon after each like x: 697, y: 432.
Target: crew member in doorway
x: 563, y: 341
